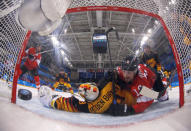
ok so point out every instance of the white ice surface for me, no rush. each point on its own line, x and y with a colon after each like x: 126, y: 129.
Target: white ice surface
x: 155, y: 114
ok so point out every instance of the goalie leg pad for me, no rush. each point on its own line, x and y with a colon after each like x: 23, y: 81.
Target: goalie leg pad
x: 45, y: 95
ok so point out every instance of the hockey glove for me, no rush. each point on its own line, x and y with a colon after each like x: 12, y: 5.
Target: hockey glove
x: 120, y: 110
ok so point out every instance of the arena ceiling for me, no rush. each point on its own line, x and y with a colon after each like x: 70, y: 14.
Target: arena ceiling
x: 74, y: 37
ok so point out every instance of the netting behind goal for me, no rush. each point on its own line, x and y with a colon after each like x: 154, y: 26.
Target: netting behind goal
x: 174, y: 16
x: 11, y: 41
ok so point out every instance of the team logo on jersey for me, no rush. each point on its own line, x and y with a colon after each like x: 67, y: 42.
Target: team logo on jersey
x: 143, y: 74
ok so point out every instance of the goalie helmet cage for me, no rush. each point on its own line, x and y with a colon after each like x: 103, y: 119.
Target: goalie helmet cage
x: 172, y: 14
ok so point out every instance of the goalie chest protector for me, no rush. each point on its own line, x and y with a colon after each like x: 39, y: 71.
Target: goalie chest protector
x: 103, y: 102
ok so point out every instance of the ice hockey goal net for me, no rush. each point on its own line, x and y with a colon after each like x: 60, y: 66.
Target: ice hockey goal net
x: 174, y: 15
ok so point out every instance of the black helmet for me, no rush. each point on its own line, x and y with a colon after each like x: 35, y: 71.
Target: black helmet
x: 130, y: 63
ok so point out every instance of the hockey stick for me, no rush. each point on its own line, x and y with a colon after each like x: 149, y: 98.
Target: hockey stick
x: 46, y: 51
x: 112, y: 66
x: 145, y: 91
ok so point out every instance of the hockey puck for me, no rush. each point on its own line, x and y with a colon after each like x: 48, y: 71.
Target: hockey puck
x: 188, y: 91
x: 24, y: 94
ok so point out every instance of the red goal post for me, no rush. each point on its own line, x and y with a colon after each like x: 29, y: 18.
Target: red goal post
x: 17, y: 67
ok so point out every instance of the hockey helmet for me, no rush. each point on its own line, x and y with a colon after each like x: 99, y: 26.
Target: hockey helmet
x: 32, y: 51
x: 130, y: 63
x: 89, y: 91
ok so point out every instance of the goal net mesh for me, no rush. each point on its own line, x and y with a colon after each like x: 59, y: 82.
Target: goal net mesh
x: 11, y: 39
x: 175, y: 14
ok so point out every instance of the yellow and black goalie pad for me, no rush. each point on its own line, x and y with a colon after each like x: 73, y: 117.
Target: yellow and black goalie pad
x: 62, y: 103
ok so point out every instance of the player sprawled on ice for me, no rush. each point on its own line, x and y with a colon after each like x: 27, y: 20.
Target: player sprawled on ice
x: 62, y: 82
x: 131, y: 79
x: 31, y: 64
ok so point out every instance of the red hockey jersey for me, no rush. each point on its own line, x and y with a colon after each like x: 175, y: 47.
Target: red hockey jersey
x: 35, y: 61
x: 144, y: 77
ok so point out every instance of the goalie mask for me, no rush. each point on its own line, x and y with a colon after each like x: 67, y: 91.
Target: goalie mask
x: 89, y: 91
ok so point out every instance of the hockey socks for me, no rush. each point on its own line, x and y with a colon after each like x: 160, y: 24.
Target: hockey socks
x: 37, y: 81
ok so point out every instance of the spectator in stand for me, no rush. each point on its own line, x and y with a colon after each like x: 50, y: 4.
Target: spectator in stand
x: 8, y: 67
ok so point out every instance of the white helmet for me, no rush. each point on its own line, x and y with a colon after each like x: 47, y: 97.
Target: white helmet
x: 89, y: 91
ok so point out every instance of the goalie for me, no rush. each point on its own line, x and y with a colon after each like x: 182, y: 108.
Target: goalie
x: 91, y: 100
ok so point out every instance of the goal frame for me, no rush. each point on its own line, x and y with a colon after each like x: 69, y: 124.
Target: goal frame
x: 111, y: 8
x: 17, y: 67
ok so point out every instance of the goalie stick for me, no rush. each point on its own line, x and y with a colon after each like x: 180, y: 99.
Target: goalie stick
x: 112, y: 66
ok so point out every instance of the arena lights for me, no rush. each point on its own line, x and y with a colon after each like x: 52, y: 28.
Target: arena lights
x: 63, y: 46
x: 55, y: 41
x: 62, y: 52
x: 133, y: 30
x: 149, y: 31
x: 57, y: 44
x: 144, y: 39
x: 70, y: 65
x: 172, y: 2
x: 66, y: 59
x: 137, y: 52
x: 156, y: 22
x: 65, y: 31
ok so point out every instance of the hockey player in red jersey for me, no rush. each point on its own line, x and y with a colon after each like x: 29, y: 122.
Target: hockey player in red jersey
x: 33, y: 58
x: 135, y: 76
